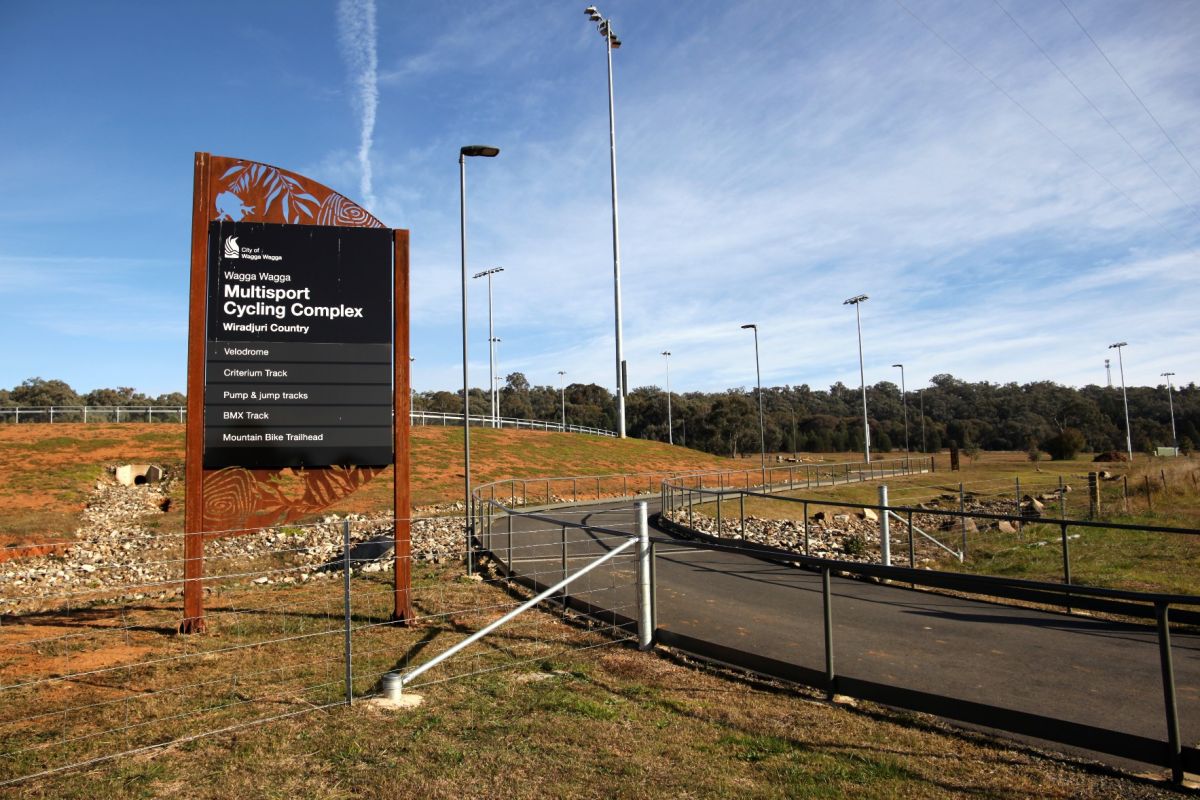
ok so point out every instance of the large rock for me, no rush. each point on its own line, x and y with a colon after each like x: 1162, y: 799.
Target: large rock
x: 1031, y: 507
x: 869, y: 515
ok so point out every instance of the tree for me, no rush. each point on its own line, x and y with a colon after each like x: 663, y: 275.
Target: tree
x: 1064, y: 445
x: 39, y: 392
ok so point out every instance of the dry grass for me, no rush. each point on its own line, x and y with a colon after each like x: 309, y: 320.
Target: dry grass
x: 47, y: 471
x: 572, y: 715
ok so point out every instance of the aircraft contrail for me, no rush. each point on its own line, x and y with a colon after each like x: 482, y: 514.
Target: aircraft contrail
x: 356, y: 34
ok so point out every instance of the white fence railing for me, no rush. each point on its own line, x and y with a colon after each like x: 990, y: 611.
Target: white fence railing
x: 16, y: 414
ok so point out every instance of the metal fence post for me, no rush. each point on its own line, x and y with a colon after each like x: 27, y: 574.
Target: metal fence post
x: 912, y: 547
x: 566, y: 596
x: 885, y: 538
x: 1066, y: 553
x: 805, y: 527
x: 346, y: 608
x: 1174, y: 750
x: 742, y: 513
x: 645, y: 605
x: 962, y: 509
x: 718, y: 515
x: 1017, y: 498
x: 828, y: 598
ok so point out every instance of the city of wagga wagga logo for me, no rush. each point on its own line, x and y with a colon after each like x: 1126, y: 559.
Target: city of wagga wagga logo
x: 234, y: 250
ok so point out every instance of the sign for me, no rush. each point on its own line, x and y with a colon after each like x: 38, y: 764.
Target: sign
x: 298, y: 346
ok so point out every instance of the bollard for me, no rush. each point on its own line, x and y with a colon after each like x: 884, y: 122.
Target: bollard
x: 645, y: 605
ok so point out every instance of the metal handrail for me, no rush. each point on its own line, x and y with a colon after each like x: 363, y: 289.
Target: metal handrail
x: 960, y: 555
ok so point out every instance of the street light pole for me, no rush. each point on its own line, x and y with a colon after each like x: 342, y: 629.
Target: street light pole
x: 856, y: 301
x: 904, y: 405
x: 1124, y: 397
x: 670, y: 427
x: 496, y: 379
x: 611, y: 42
x: 491, y: 338
x: 1171, y: 404
x: 469, y: 151
x: 762, y: 436
x: 562, y: 389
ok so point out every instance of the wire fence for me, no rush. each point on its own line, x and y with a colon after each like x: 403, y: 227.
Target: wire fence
x: 147, y: 413
x: 299, y: 618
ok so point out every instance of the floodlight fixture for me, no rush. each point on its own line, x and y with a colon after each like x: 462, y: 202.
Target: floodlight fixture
x: 475, y: 150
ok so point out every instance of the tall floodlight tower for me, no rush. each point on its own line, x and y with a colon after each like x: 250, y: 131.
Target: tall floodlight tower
x: 1171, y: 405
x: 611, y: 42
x: 1124, y: 397
x: 670, y: 427
x: 488, y: 273
x: 856, y: 301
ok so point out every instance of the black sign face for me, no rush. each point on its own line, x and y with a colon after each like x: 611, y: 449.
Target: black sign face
x: 298, y: 360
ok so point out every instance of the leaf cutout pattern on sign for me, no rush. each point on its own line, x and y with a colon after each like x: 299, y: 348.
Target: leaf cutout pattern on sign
x: 246, y: 178
x: 237, y: 500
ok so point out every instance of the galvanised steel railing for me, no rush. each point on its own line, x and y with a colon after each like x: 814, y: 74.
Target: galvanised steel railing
x: 17, y: 414
x: 479, y: 420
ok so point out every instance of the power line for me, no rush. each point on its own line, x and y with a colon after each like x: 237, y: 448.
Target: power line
x: 1116, y: 71
x: 1035, y: 118
x: 1095, y: 108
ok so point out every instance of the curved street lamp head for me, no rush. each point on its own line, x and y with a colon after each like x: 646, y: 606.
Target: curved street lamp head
x: 901, y: 366
x: 1167, y: 374
x: 668, y: 352
x: 1118, y: 345
x: 750, y: 325
x: 491, y: 271
x: 853, y: 301
x: 473, y: 150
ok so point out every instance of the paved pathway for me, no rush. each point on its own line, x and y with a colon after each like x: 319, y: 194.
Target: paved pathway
x: 1068, y: 667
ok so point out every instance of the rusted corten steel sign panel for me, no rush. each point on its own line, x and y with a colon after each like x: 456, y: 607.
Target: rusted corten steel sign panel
x: 298, y: 384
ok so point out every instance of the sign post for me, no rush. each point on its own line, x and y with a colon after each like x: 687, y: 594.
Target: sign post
x: 297, y: 360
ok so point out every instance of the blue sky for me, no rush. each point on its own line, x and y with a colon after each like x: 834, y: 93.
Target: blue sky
x: 775, y: 158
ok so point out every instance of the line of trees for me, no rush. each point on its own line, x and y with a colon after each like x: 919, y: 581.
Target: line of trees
x: 1039, y: 415
x: 990, y: 416
x: 41, y: 392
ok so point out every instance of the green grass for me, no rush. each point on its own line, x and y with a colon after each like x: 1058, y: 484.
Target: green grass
x: 1102, y: 557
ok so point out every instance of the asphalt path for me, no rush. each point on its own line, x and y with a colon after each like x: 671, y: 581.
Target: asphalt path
x: 1069, y: 667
